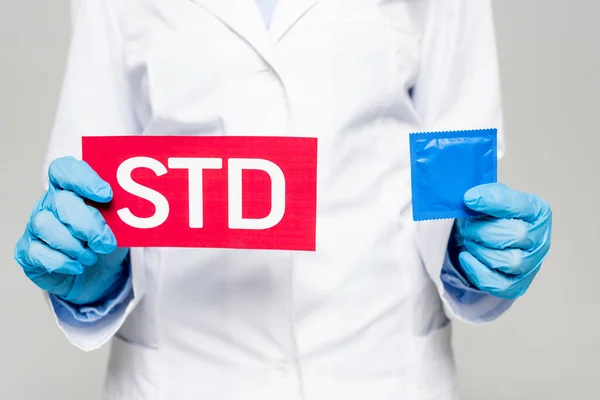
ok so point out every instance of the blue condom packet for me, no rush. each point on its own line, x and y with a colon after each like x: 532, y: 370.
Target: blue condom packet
x: 445, y: 165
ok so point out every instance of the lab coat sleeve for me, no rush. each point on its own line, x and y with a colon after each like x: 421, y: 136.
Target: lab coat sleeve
x: 458, y: 88
x: 95, y: 99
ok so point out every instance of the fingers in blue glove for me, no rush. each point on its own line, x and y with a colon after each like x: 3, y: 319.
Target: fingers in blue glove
x: 62, y: 227
x: 506, y: 246
x: 492, y: 281
x: 500, y: 201
x: 500, y: 233
x: 45, y: 226
x: 77, y: 176
x: 34, y: 255
x: 509, y: 261
x: 67, y: 248
x: 83, y: 222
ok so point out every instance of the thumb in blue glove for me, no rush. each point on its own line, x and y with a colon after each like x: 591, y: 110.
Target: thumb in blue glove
x: 67, y: 249
x: 502, y: 251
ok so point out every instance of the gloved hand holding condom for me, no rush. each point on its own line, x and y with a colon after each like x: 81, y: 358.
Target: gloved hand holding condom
x: 501, y: 236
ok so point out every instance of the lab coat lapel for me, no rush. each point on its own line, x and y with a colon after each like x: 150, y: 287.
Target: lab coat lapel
x: 286, y: 14
x: 243, y: 17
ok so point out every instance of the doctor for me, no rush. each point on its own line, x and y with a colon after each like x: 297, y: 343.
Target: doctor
x: 361, y: 318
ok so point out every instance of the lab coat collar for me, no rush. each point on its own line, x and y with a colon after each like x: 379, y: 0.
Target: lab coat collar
x: 243, y: 17
x: 287, y: 14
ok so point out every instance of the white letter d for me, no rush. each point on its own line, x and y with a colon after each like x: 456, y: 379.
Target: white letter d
x: 235, y: 167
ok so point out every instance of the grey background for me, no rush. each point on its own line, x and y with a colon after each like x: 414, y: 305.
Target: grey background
x: 546, y: 347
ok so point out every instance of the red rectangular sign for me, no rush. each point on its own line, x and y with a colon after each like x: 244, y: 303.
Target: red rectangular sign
x: 242, y: 192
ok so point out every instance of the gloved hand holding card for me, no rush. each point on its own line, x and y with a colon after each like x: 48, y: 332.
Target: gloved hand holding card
x: 454, y: 175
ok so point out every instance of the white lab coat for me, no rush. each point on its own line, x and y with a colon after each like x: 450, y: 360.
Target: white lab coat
x: 363, y: 316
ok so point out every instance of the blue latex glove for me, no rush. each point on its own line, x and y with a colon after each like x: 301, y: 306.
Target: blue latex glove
x: 501, y: 252
x: 67, y: 248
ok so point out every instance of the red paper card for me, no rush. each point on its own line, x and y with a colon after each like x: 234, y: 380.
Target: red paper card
x: 208, y: 191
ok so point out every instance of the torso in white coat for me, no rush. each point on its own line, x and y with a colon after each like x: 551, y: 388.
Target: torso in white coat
x: 360, y: 318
